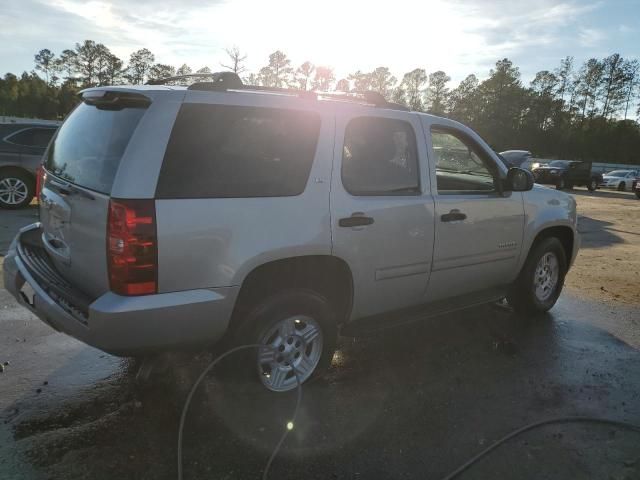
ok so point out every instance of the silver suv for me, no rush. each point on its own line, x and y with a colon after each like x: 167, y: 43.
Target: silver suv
x: 174, y: 216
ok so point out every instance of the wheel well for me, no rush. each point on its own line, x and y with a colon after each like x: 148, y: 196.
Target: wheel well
x: 17, y: 169
x: 564, y: 234
x: 330, y: 276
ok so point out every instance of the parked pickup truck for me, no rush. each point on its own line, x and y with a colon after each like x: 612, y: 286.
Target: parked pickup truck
x: 568, y: 174
x: 177, y: 216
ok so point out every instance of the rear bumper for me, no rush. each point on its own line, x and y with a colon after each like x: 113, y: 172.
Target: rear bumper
x: 122, y: 325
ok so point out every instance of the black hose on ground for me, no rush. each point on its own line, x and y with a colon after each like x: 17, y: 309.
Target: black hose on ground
x: 531, y: 426
x: 197, y: 383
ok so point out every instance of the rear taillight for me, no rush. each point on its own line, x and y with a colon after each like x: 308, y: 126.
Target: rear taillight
x: 132, y: 247
x: 40, y: 176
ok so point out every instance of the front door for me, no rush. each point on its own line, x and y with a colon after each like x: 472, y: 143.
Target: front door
x: 382, y: 209
x: 478, y: 230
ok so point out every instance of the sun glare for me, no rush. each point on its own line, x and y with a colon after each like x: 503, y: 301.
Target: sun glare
x: 354, y: 35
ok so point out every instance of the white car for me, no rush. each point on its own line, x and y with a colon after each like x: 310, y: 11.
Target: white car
x: 619, y: 179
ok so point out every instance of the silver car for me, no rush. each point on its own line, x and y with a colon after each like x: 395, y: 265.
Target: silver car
x: 175, y: 216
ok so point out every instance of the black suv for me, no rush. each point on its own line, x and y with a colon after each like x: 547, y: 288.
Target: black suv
x: 568, y: 174
x: 21, y: 148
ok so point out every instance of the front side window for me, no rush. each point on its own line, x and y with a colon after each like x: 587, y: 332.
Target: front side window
x: 223, y: 151
x: 460, y: 165
x: 380, y: 157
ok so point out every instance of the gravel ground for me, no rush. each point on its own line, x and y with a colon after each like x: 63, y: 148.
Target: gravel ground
x: 608, y: 264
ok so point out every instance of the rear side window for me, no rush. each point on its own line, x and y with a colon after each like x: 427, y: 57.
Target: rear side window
x: 33, y: 137
x: 218, y: 151
x: 89, y: 145
x: 380, y: 157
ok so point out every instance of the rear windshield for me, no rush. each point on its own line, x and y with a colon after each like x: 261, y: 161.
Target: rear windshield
x: 218, y: 151
x: 89, y: 145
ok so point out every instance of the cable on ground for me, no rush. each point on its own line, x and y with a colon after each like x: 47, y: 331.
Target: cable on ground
x: 531, y: 426
x: 197, y: 383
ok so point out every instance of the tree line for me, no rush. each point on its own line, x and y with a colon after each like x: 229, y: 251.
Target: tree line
x: 571, y: 111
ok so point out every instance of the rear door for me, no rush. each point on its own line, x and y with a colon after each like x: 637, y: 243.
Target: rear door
x: 81, y: 164
x: 33, y: 145
x: 478, y: 230
x: 382, y: 209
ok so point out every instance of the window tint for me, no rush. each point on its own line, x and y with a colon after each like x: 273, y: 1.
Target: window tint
x: 233, y: 151
x: 379, y: 157
x: 33, y: 137
x: 89, y: 145
x: 459, y: 164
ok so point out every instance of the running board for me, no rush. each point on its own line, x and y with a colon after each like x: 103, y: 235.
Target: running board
x: 385, y: 321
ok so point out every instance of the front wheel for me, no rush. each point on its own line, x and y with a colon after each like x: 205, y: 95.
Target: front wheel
x: 593, y: 184
x: 622, y: 187
x: 298, y: 331
x: 540, y: 282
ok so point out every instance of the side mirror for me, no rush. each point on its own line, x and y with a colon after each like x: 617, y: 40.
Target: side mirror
x: 519, y: 180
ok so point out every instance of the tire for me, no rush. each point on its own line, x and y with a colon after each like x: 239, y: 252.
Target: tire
x: 593, y: 185
x: 561, y: 184
x: 283, y: 320
x: 527, y: 296
x: 622, y: 187
x: 17, y: 188
x: 637, y: 192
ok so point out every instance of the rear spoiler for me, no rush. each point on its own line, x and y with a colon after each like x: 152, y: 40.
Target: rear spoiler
x: 114, y: 99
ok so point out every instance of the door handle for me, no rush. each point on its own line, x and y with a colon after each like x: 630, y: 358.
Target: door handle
x: 453, y: 216
x: 357, y: 219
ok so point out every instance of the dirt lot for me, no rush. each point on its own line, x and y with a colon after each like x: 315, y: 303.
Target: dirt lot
x: 608, y: 264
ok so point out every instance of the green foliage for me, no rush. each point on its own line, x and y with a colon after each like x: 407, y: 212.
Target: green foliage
x: 569, y: 112
x: 323, y: 79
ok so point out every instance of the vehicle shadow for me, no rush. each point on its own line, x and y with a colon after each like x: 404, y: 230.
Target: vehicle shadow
x: 420, y: 398
x: 596, y: 233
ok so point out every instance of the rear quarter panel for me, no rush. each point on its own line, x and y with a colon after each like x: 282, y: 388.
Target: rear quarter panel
x: 216, y: 242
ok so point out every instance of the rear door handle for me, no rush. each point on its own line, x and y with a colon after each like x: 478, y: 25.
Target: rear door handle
x: 453, y: 216
x: 357, y: 219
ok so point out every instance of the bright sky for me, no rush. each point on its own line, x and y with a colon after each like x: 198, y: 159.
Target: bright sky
x: 457, y: 36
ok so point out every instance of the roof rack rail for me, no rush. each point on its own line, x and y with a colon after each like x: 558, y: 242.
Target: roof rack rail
x: 220, y: 80
x: 223, y: 81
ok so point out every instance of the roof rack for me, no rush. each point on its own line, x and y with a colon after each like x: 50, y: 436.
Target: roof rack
x: 225, y: 81
x: 221, y: 80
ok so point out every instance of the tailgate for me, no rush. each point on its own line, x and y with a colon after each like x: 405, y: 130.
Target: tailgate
x: 80, y: 167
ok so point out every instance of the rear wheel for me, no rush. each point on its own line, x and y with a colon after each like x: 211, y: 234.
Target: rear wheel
x: 16, y: 188
x: 622, y: 187
x: 593, y: 185
x: 540, y: 282
x: 298, y: 331
x: 561, y: 184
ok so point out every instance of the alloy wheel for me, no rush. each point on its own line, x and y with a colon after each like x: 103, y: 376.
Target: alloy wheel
x: 13, y: 191
x: 293, y: 347
x: 546, y: 276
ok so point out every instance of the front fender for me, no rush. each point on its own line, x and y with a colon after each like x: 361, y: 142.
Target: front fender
x: 545, y: 208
